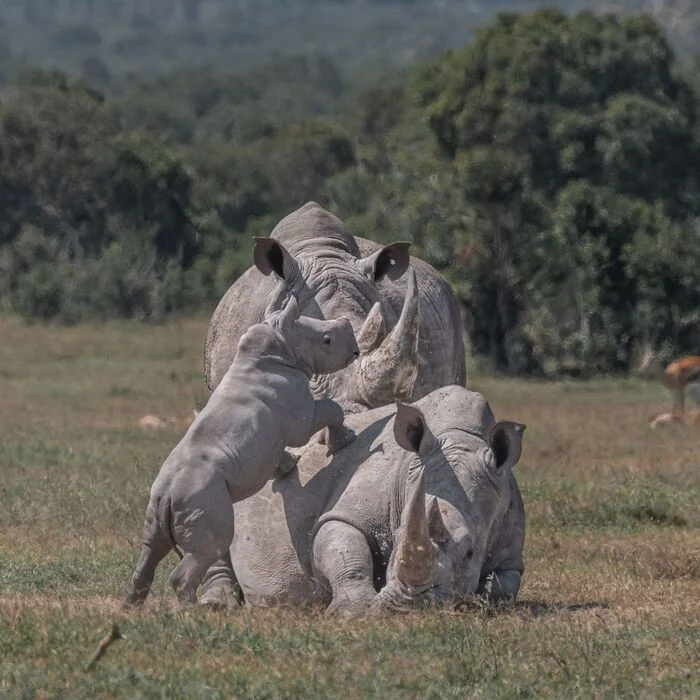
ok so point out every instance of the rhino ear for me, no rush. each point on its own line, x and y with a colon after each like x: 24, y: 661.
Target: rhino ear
x: 411, y: 431
x: 271, y: 256
x: 506, y: 443
x: 391, y: 261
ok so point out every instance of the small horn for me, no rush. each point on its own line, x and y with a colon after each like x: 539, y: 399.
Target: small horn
x: 370, y: 336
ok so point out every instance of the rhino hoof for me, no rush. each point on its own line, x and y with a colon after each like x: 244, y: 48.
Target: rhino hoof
x: 219, y: 598
x: 287, y: 464
x: 338, y: 438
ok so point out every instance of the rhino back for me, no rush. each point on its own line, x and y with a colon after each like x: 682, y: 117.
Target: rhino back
x: 441, y: 338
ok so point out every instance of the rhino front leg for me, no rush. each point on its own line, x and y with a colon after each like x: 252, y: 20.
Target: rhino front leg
x: 329, y: 414
x: 343, y: 559
x: 500, y: 585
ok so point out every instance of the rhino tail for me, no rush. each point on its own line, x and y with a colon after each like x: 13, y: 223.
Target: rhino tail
x: 165, y: 525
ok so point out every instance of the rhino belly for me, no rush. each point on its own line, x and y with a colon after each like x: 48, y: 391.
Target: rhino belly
x: 268, y: 563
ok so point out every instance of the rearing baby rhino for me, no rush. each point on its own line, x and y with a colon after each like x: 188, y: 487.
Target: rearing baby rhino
x: 262, y: 405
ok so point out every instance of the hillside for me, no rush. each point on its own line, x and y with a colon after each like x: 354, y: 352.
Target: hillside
x: 101, y: 41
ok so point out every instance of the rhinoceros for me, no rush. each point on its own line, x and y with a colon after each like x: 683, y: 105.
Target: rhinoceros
x: 412, y: 510
x: 334, y: 273
x: 262, y: 405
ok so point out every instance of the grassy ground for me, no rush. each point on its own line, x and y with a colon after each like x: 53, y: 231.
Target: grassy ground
x: 610, y: 605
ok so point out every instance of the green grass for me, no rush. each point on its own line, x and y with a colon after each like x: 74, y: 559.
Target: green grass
x: 610, y: 605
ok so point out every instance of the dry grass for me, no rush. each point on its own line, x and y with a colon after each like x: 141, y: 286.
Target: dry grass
x: 610, y: 605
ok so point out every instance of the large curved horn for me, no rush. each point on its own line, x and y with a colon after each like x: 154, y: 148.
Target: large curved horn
x: 389, y: 372
x: 415, y: 557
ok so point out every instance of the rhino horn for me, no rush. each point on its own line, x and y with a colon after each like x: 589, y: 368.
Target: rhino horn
x: 389, y: 371
x: 415, y: 554
x: 370, y: 336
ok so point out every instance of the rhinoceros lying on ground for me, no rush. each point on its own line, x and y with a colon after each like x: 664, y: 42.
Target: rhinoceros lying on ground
x: 263, y: 404
x: 412, y: 510
x: 333, y: 274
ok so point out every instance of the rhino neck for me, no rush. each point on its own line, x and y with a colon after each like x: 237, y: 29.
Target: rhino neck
x: 264, y: 343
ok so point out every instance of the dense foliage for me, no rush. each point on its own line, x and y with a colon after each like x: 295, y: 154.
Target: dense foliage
x: 575, y: 147
x: 548, y: 170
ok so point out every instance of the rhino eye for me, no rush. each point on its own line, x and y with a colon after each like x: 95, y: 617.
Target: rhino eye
x: 470, y: 553
x: 326, y: 340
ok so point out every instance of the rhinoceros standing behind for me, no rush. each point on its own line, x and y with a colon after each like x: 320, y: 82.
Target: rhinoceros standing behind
x: 333, y: 273
x: 412, y: 509
x: 236, y: 443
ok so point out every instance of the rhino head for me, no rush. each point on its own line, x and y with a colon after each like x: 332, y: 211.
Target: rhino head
x: 316, y: 346
x: 442, y: 543
x: 334, y: 286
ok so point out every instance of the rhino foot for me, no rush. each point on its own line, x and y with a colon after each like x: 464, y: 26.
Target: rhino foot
x: 287, y: 464
x: 220, y: 597
x: 338, y: 437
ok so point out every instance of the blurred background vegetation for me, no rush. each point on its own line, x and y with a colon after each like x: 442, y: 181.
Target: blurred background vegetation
x: 546, y: 162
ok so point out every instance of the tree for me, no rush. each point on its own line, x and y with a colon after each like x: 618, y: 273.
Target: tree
x: 567, y: 135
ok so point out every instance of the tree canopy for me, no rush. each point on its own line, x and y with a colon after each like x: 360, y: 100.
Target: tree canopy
x: 568, y: 150
x: 548, y: 169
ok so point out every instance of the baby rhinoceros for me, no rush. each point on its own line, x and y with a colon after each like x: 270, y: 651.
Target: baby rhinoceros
x: 263, y: 404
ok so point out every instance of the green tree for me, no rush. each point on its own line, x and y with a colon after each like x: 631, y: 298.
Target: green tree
x: 567, y: 136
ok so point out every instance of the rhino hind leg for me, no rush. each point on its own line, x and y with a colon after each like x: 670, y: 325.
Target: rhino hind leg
x: 142, y: 580
x: 204, y: 532
x: 155, y: 547
x: 220, y: 588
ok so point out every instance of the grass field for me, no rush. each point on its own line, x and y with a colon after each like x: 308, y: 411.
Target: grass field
x: 610, y: 605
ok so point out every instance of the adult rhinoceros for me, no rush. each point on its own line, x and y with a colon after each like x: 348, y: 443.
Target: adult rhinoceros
x: 412, y: 509
x: 404, y: 354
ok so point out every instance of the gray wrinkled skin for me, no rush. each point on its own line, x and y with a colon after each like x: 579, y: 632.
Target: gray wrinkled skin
x: 407, y: 513
x: 405, y: 352
x: 262, y: 405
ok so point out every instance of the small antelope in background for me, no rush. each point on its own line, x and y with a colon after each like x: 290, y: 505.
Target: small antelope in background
x: 676, y: 376
x: 156, y: 422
